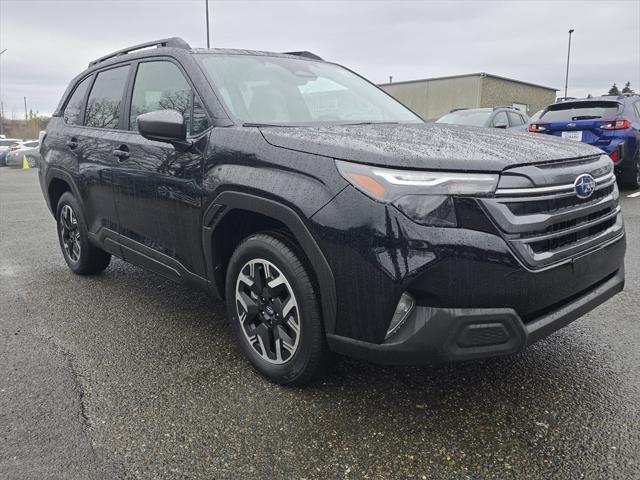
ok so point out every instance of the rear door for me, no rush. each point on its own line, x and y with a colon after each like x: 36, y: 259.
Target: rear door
x: 81, y: 143
x: 158, y: 189
x: 93, y: 142
x: 581, y: 121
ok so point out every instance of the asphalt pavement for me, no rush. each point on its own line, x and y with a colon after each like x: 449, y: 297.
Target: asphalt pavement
x: 126, y: 375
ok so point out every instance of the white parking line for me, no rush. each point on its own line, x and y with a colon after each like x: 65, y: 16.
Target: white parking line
x: 634, y: 195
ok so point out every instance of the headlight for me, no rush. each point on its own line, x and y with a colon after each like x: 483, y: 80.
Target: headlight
x: 423, y: 196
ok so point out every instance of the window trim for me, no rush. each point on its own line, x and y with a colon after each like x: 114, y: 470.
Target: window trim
x: 131, y: 84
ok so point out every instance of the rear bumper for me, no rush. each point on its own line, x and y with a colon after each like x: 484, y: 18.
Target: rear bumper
x: 433, y: 335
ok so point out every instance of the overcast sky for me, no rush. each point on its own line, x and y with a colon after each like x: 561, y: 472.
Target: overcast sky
x: 49, y: 42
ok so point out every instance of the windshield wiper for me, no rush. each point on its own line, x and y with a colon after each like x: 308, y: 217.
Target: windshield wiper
x: 369, y: 123
x: 252, y: 124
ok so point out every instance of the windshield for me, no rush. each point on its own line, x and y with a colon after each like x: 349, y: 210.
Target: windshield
x: 476, y: 118
x: 287, y: 91
x: 565, y: 112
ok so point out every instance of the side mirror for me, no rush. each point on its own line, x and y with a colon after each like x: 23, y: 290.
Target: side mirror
x: 500, y: 125
x: 163, y: 126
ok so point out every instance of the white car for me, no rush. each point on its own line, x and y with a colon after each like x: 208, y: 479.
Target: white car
x: 5, y: 143
x: 29, y: 149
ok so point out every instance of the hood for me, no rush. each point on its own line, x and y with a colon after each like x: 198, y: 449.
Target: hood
x: 429, y: 145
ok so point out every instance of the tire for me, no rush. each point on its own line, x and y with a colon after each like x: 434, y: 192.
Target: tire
x: 81, y: 257
x: 273, y: 308
x: 630, y: 179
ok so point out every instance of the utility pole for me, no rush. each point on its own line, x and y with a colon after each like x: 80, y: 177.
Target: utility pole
x: 566, y: 78
x: 206, y: 3
x: 2, y: 106
x: 26, y: 117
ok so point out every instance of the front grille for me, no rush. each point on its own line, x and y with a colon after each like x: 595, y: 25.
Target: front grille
x: 555, y: 204
x: 549, y: 223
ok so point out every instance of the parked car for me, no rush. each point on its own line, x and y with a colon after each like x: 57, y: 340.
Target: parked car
x: 327, y: 215
x: 535, y: 117
x: 611, y: 123
x: 29, y: 149
x: 497, y: 117
x: 5, y: 144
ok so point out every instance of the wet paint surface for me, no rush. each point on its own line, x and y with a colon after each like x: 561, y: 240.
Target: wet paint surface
x: 427, y: 146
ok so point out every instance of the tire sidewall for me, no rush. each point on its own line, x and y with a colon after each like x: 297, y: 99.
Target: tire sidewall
x: 310, y: 328
x: 68, y: 199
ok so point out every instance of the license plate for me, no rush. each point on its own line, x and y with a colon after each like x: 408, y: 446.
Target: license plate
x: 572, y: 136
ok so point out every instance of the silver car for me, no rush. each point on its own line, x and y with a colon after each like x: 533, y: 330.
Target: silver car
x: 29, y: 149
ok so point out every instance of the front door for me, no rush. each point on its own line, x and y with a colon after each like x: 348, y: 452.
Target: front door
x: 158, y: 189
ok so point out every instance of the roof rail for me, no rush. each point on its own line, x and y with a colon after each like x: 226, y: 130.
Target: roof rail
x: 458, y: 109
x: 305, y: 54
x: 173, y: 42
x: 511, y: 107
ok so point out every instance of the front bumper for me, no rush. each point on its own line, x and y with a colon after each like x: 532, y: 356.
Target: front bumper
x: 433, y: 335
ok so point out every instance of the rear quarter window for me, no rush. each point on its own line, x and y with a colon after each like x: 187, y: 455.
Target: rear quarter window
x: 73, y: 109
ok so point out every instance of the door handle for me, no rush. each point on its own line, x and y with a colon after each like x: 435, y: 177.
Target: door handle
x: 72, y: 143
x: 122, y: 153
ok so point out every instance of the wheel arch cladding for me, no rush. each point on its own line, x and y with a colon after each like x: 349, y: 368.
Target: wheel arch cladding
x: 57, y: 187
x: 273, y: 214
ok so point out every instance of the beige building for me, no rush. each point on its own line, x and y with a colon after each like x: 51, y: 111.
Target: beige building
x: 433, y: 97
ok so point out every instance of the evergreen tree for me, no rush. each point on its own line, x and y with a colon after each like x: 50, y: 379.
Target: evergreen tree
x: 627, y: 88
x: 614, y: 90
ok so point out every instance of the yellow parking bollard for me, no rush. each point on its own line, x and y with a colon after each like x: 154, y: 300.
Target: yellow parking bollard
x: 25, y: 162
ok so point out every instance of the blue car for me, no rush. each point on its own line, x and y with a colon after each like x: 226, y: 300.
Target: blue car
x: 611, y: 123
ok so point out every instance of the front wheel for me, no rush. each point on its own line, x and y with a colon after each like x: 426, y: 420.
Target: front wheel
x: 81, y: 256
x: 273, y: 307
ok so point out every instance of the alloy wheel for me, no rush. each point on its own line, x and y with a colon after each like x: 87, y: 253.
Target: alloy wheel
x: 268, y: 311
x: 70, y: 233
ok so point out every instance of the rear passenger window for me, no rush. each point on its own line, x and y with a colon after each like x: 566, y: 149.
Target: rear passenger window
x: 162, y: 86
x: 103, y: 106
x: 515, y: 119
x: 74, y: 106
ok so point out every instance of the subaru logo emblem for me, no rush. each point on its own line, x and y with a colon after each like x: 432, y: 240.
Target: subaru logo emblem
x: 571, y: 125
x: 584, y: 186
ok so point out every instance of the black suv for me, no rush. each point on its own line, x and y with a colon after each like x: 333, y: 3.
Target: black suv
x: 329, y: 216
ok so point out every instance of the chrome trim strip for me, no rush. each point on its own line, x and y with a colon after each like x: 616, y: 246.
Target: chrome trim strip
x: 553, y: 189
x: 570, y: 230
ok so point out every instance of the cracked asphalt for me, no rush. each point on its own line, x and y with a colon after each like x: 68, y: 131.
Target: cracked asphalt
x: 127, y: 376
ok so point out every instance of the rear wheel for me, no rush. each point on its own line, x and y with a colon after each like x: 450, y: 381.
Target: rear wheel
x: 631, y: 178
x: 81, y: 256
x: 273, y: 307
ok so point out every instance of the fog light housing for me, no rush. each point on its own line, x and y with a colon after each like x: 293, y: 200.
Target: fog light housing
x: 403, y: 310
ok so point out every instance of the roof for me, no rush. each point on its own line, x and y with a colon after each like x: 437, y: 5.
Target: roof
x: 478, y: 74
x: 603, y: 98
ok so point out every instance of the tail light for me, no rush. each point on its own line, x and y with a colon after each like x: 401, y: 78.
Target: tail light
x: 614, y: 156
x: 537, y: 127
x: 13, y: 148
x: 619, y: 124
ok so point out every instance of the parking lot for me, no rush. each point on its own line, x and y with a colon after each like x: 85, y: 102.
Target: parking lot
x: 126, y: 375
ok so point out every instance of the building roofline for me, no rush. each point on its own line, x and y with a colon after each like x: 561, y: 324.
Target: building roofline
x: 478, y: 74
